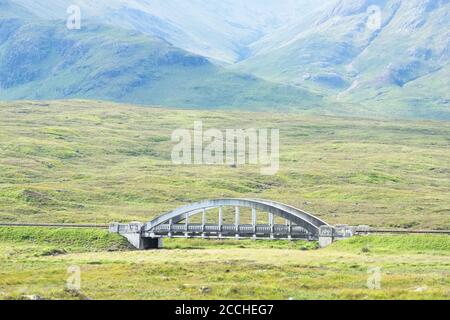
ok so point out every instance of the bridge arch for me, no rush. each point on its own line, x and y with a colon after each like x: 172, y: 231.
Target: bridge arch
x: 295, y: 216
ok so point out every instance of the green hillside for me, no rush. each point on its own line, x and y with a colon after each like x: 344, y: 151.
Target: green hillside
x: 44, y: 60
x: 220, y: 30
x: 54, y: 240
x: 87, y: 161
x: 400, y: 68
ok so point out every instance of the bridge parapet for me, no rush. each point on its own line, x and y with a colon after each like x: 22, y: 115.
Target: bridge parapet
x: 133, y: 227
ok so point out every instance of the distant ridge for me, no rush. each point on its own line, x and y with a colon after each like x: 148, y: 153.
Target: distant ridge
x: 249, y: 54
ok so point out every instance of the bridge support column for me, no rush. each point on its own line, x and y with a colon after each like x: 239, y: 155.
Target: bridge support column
x: 289, y: 225
x: 203, y: 223
x: 326, y: 236
x: 220, y: 221
x: 237, y: 220
x: 271, y: 224
x: 254, y: 222
x: 186, y: 225
x: 170, y: 228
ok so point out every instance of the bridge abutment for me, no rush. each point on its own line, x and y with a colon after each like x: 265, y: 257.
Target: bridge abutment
x: 133, y: 233
x: 330, y: 234
x: 326, y: 236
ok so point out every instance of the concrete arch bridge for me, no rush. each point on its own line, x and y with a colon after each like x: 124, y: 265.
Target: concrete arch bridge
x: 194, y: 221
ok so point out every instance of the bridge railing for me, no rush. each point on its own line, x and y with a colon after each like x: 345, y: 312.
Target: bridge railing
x: 228, y: 229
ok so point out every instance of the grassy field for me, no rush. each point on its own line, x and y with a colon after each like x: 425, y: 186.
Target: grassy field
x: 97, y: 162
x: 84, y: 161
x: 35, y: 262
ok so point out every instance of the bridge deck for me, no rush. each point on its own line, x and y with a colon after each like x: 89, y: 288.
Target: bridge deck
x: 229, y: 230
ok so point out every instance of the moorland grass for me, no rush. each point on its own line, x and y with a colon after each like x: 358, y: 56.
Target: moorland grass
x: 396, y: 243
x: 97, y: 162
x: 411, y: 267
x: 89, y: 161
x: 65, y: 239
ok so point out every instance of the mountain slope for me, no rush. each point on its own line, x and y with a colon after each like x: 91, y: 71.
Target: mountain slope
x: 221, y: 30
x: 10, y: 9
x: 334, y: 50
x: 47, y: 61
x: 303, y: 50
